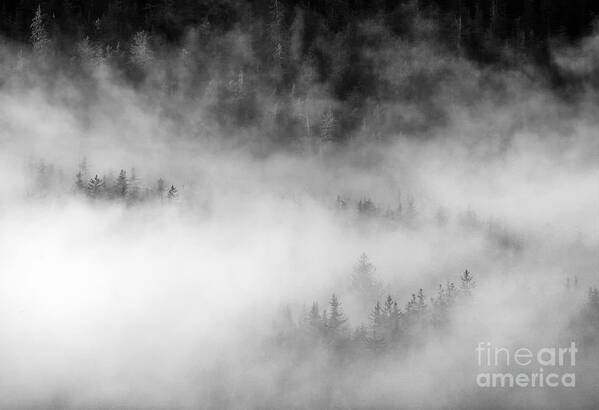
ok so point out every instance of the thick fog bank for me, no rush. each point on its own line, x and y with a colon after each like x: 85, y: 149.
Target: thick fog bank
x: 118, y: 290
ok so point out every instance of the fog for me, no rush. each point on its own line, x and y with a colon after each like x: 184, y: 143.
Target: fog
x: 175, y: 303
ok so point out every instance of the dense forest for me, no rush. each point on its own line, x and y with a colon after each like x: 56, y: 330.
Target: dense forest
x: 309, y: 72
x: 473, y: 25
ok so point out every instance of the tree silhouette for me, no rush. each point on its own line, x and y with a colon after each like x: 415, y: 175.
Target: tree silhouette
x: 39, y: 35
x: 121, y: 184
x: 336, y: 318
x: 95, y: 187
x: 467, y: 282
x: 172, y: 193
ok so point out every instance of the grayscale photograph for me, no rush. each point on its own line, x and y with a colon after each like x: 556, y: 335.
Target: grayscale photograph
x: 299, y: 205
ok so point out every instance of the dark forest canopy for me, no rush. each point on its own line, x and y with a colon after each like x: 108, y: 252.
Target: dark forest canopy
x: 476, y: 25
x: 316, y: 71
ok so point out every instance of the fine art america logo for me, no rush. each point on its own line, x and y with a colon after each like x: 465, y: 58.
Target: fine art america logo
x: 524, y: 367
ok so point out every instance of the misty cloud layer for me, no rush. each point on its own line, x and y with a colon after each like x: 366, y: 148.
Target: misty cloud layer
x: 171, y: 304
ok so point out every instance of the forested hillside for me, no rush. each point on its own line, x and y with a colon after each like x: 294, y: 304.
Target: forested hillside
x: 311, y: 70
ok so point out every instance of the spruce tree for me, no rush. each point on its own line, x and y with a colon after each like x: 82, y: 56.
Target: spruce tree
x: 421, y: 304
x: 467, y: 282
x: 121, y: 184
x: 95, y: 187
x: 363, y: 281
x: 336, y: 319
x: 39, y: 36
x: 327, y: 126
x: 376, y: 341
x: 133, y: 186
x: 172, y: 193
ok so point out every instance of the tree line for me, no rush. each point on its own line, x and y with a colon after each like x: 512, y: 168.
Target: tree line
x: 469, y: 23
x: 393, y: 327
x: 310, y: 71
x: 126, y: 186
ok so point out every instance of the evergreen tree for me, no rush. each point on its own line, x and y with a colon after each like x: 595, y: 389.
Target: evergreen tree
x: 133, y: 187
x: 121, y: 184
x: 95, y: 187
x: 140, y: 50
x: 172, y: 193
x: 421, y: 304
x: 467, y: 282
x: 336, y: 319
x: 377, y: 341
x: 327, y: 126
x: 39, y: 35
x: 363, y: 281
x: 276, y: 31
x: 360, y: 336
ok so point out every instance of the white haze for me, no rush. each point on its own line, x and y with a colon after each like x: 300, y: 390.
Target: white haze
x: 172, y: 305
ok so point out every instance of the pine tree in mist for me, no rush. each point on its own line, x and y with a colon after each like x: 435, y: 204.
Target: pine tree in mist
x: 327, y: 126
x: 336, y: 319
x: 411, y: 311
x: 376, y: 341
x: 388, y: 306
x: 421, y: 304
x: 140, y: 50
x: 95, y: 187
x: 172, y: 194
x: 392, y: 318
x: 39, y: 35
x: 364, y: 283
x: 132, y: 192
x: 467, y: 282
x: 90, y: 53
x: 276, y: 31
x: 121, y: 185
